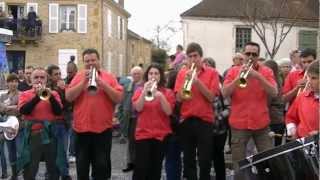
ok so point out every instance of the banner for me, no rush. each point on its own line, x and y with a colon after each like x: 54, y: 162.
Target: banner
x: 3, y: 59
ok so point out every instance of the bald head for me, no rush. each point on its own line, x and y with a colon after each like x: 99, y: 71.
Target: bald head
x: 238, y: 59
x: 136, y: 73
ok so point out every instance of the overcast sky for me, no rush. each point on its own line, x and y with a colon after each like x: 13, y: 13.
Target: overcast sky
x: 147, y: 14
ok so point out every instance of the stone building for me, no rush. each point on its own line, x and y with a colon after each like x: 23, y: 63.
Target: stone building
x: 64, y: 28
x: 139, y: 50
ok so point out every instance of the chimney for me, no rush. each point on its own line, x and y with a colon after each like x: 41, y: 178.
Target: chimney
x: 121, y: 3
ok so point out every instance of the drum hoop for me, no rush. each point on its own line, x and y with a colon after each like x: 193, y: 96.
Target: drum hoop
x: 274, y: 155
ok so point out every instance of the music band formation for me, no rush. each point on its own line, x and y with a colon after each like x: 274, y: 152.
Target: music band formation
x: 184, y: 115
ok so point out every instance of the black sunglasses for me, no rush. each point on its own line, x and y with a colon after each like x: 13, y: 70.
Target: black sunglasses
x: 251, y: 54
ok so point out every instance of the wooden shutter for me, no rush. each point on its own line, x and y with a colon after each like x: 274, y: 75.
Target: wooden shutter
x: 53, y: 18
x: 82, y: 18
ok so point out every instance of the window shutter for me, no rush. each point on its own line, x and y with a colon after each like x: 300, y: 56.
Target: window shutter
x: 82, y: 18
x: 307, y: 39
x: 109, y: 61
x: 53, y: 18
x: 3, y: 5
x: 109, y: 23
x: 34, y: 5
x: 119, y: 27
x: 124, y: 29
x: 120, y: 65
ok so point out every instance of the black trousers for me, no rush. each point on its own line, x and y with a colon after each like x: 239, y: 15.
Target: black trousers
x: 93, y: 149
x: 218, y: 155
x: 149, y: 157
x: 196, y: 138
x: 38, y: 150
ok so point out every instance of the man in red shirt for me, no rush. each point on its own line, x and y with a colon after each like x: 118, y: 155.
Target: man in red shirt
x: 197, y: 113
x: 296, y: 79
x: 93, y: 117
x: 302, y: 119
x: 249, y: 112
x: 39, y: 116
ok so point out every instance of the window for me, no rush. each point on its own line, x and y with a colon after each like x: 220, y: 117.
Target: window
x: 307, y: 39
x: 67, y: 17
x: 243, y: 35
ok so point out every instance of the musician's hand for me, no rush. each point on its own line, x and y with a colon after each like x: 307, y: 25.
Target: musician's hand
x: 301, y: 83
x: 87, y: 74
x: 61, y: 84
x: 36, y: 87
x: 100, y: 82
x: 292, y: 131
x: 253, y: 73
x: 147, y: 86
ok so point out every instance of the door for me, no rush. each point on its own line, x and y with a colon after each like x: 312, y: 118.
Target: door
x: 16, y: 60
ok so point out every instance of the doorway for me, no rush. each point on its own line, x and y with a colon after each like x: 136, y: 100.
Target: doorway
x: 16, y: 60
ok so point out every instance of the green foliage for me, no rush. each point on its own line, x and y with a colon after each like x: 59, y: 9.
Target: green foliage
x: 159, y: 56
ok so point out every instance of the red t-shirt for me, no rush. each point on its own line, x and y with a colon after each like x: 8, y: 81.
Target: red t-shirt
x: 93, y: 113
x: 152, y: 122
x: 249, y: 108
x: 42, y: 111
x: 198, y: 105
x: 291, y: 80
x: 304, y: 113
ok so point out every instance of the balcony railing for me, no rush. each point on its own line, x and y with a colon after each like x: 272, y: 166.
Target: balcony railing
x: 23, y: 29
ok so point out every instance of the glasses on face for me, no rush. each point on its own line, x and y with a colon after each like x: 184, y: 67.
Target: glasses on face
x: 251, y: 54
x: 194, y: 55
x: 39, y: 77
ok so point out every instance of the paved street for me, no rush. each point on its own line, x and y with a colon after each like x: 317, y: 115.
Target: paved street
x: 118, y: 156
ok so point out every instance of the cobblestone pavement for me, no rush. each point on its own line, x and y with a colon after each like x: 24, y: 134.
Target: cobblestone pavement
x: 118, y: 156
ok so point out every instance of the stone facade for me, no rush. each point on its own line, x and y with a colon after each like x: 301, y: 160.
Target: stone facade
x: 46, y: 50
x: 139, y: 50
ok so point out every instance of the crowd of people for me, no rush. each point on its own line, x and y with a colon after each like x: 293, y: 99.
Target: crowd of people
x: 184, y: 116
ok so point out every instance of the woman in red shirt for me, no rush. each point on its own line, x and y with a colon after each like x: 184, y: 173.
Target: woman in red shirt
x: 153, y: 124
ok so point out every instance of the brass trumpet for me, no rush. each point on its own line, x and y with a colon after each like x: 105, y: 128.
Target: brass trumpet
x: 10, y: 127
x: 186, y: 91
x: 44, y: 93
x: 306, y: 85
x: 244, y: 75
x: 92, y: 87
x: 149, y: 95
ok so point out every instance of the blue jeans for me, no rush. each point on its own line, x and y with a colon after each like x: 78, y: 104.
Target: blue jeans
x: 71, y: 134
x: 173, y: 163
x: 3, y: 158
x: 62, y: 139
x: 12, y: 150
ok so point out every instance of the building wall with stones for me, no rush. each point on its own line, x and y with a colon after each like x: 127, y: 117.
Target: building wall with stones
x: 56, y: 47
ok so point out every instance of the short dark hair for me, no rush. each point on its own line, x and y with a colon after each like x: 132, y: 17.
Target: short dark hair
x: 314, y: 68
x: 72, y: 58
x: 91, y: 51
x: 250, y: 43
x: 179, y: 46
x: 194, y: 47
x: 308, y: 52
x: 12, y: 77
x: 52, y: 67
x: 162, y: 81
x: 210, y: 61
x: 29, y: 67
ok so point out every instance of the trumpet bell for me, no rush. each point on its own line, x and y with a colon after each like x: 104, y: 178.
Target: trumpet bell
x: 149, y: 96
x: 44, y: 94
x: 92, y: 87
x: 242, y: 83
x: 10, y: 127
x: 186, y: 94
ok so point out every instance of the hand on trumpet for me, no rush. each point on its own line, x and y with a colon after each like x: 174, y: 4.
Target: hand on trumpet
x: 301, y: 83
x: 61, y: 84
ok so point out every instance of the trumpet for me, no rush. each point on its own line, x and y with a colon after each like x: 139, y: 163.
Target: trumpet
x: 10, y: 127
x: 244, y: 75
x: 92, y: 87
x: 149, y: 95
x: 306, y: 85
x: 44, y: 93
x: 186, y: 91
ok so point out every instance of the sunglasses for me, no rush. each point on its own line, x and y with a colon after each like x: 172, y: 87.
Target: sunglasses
x: 251, y: 54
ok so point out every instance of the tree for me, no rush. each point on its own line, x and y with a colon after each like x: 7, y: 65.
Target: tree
x: 163, y: 34
x: 159, y: 56
x: 272, y: 18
